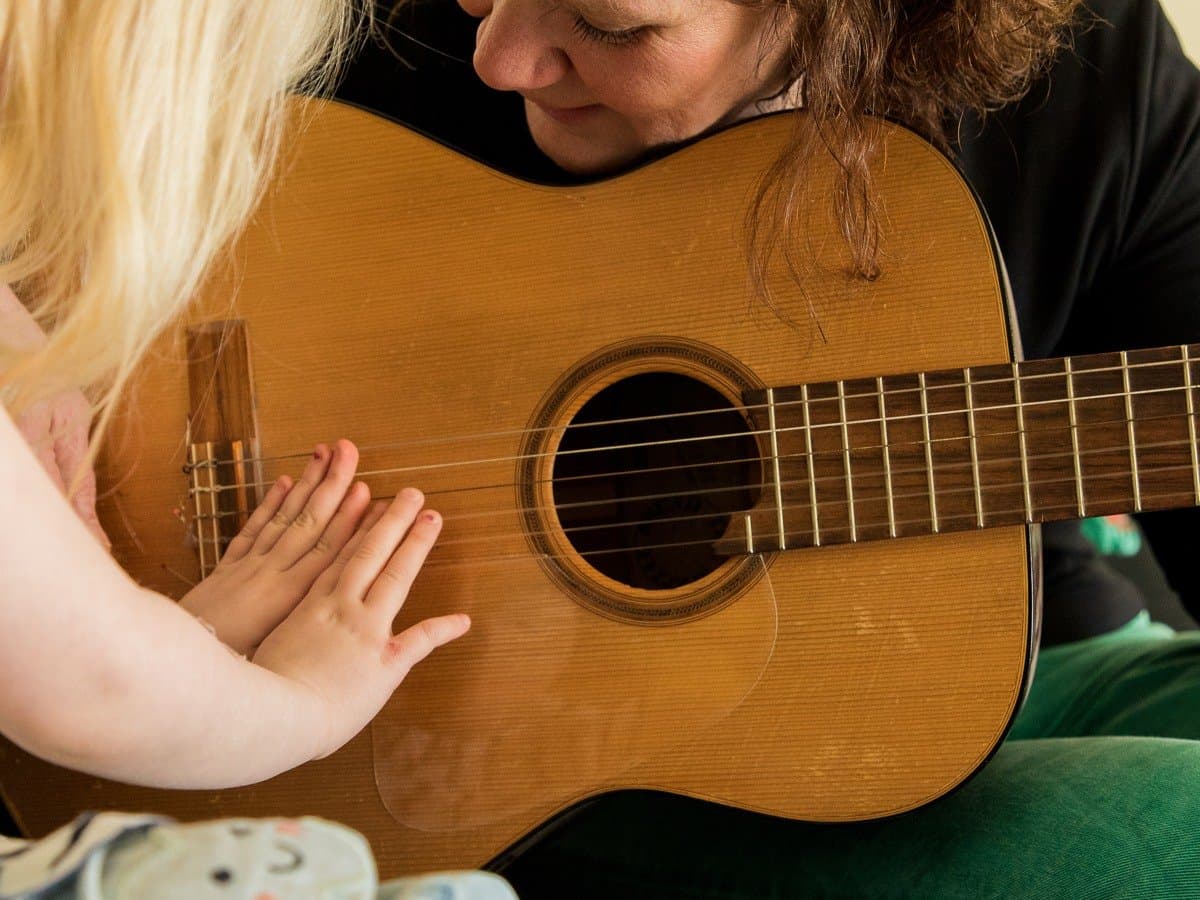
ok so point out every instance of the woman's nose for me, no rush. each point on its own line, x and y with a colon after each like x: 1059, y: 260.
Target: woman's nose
x: 517, y: 47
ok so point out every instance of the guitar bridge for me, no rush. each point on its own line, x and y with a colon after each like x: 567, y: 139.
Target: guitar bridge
x: 224, y: 473
x: 222, y: 492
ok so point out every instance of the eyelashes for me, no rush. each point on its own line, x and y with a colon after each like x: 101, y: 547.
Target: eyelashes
x: 590, y: 32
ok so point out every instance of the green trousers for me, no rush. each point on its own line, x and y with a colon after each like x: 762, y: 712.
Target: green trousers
x: 1096, y: 793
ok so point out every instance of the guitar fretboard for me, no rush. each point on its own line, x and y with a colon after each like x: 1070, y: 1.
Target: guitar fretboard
x: 932, y: 452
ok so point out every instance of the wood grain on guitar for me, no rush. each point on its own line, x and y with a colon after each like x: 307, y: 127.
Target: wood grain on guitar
x: 651, y: 607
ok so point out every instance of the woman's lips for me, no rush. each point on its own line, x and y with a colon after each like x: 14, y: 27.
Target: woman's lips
x: 567, y: 115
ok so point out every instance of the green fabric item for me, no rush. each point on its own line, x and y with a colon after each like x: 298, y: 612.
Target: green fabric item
x: 1095, y: 795
x: 1113, y: 535
x: 1137, y: 680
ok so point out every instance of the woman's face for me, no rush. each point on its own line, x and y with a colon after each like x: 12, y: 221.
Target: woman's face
x: 606, y: 80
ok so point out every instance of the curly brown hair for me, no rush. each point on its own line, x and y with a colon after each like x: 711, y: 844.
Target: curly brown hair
x: 922, y: 63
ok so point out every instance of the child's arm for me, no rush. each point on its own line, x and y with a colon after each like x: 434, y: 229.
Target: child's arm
x: 101, y: 675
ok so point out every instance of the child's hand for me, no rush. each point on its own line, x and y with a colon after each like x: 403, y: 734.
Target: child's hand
x: 338, y: 643
x: 294, y: 535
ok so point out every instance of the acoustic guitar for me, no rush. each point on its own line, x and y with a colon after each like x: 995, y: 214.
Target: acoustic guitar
x: 781, y: 560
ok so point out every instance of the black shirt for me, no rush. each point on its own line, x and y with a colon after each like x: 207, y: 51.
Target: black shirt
x: 1092, y: 183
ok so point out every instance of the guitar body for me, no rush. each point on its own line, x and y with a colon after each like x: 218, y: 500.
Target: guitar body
x: 452, y: 321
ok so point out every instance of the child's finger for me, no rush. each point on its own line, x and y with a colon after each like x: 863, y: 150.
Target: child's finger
x: 371, y: 556
x: 241, y: 544
x: 309, y: 524
x: 391, y: 588
x: 297, y: 496
x: 413, y: 644
x: 329, y: 578
x: 337, y: 534
x: 312, y: 475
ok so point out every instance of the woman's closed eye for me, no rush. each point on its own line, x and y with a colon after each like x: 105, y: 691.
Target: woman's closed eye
x: 619, y: 38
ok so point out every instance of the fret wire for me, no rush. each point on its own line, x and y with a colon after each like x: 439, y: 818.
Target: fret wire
x: 846, y: 461
x: 749, y: 533
x: 1133, y: 456
x: 974, y: 447
x: 887, y: 458
x: 1000, y: 407
x: 1187, y: 380
x: 812, y: 475
x: 775, y: 467
x: 1035, y: 483
x: 1074, y: 437
x: 994, y: 488
x: 1172, y: 497
x: 1021, y: 441
x: 933, y: 510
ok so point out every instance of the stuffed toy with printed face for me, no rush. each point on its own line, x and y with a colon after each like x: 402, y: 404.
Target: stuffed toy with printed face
x: 122, y: 856
x: 269, y: 859
x: 246, y: 859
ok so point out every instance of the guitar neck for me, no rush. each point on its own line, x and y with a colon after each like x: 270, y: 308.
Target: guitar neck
x: 964, y: 449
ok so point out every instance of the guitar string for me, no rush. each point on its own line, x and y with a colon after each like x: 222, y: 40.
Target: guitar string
x: 769, y: 509
x: 836, y: 455
x: 692, y: 466
x: 1077, y: 376
x: 838, y: 504
x: 828, y: 537
x: 838, y: 479
x: 923, y: 524
x: 891, y: 420
x: 954, y: 387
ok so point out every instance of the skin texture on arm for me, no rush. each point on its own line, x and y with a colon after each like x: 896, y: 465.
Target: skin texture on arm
x: 103, y: 676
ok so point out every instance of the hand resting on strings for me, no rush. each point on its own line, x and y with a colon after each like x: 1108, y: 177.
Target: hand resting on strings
x: 102, y: 675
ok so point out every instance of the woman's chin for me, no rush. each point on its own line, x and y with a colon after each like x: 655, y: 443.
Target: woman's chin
x: 577, y: 149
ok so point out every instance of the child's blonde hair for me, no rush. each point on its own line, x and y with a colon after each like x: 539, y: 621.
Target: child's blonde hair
x: 135, y: 136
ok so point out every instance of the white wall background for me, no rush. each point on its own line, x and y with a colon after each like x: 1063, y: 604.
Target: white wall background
x: 1185, y: 14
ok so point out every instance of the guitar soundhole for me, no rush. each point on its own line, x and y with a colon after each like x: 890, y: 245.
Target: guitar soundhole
x: 648, y: 475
